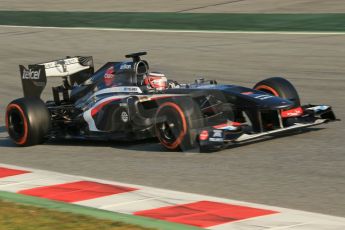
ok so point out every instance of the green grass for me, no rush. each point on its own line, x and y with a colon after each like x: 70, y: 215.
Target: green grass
x: 184, y: 21
x: 71, y: 209
x: 26, y: 217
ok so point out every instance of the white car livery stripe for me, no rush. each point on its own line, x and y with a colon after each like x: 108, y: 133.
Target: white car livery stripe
x: 118, y: 89
x: 89, y: 113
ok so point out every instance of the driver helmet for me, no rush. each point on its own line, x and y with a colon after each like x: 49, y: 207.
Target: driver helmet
x: 156, y: 81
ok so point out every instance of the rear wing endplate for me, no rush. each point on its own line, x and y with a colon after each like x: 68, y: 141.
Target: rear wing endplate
x: 34, y: 78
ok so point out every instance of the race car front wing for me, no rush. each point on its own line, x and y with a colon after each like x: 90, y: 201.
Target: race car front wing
x: 233, y: 132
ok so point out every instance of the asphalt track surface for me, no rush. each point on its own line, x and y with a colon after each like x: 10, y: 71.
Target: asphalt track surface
x: 190, y: 6
x: 304, y: 171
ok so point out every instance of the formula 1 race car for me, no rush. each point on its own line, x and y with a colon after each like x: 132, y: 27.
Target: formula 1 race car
x: 126, y: 101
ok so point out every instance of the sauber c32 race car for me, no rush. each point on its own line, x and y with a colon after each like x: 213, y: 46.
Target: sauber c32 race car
x: 126, y: 101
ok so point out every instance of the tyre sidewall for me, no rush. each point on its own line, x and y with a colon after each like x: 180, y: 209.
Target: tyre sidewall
x: 192, y: 118
x: 282, y: 87
x: 37, y: 118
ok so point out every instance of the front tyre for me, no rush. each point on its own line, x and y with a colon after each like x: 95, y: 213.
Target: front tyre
x: 176, y: 124
x: 279, y: 87
x: 27, y: 121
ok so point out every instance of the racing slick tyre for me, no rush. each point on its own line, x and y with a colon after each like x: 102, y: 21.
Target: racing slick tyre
x: 279, y: 87
x: 176, y: 124
x: 27, y: 121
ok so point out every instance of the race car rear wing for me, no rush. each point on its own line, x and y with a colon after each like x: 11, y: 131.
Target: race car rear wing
x: 34, y: 78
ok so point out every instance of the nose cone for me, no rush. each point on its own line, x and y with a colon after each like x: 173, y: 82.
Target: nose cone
x: 267, y: 101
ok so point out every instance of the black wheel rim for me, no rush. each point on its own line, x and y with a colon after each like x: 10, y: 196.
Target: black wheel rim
x: 15, y: 124
x: 170, y: 126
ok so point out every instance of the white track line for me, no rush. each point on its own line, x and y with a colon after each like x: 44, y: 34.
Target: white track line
x: 179, y: 31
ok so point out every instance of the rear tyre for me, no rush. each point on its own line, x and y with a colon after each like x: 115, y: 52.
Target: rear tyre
x: 27, y: 121
x: 279, y: 87
x: 176, y: 124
